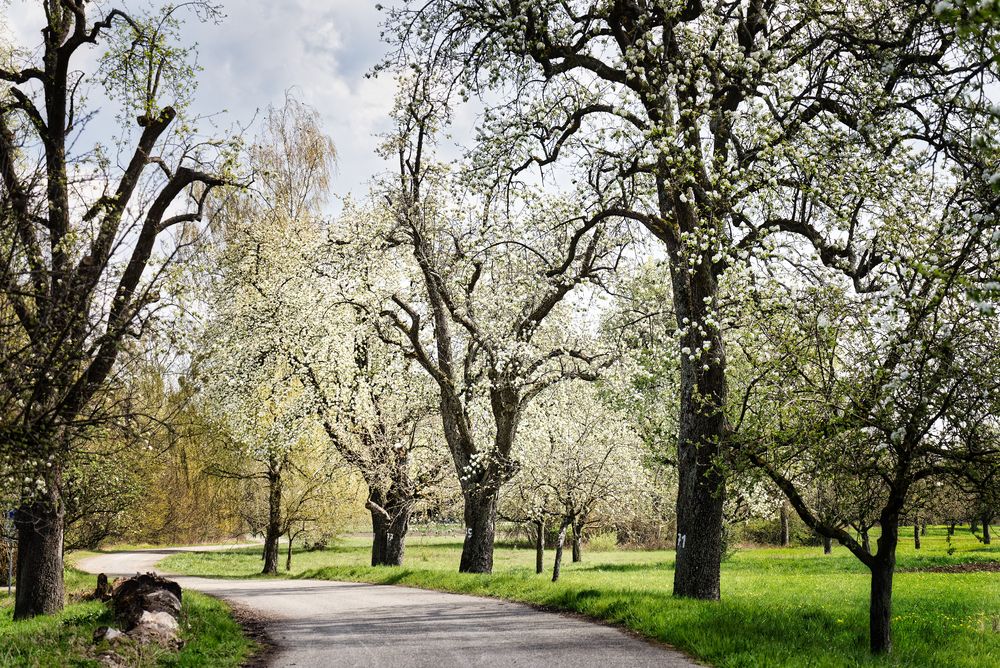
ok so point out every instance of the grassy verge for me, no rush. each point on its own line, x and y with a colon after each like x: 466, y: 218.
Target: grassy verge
x: 780, y: 607
x: 211, y: 635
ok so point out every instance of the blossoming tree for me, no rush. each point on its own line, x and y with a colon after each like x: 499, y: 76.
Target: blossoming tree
x: 89, y: 237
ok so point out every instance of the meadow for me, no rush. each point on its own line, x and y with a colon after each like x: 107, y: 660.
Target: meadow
x: 211, y: 635
x: 780, y: 606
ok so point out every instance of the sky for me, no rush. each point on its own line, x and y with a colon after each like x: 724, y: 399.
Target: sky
x: 318, y: 49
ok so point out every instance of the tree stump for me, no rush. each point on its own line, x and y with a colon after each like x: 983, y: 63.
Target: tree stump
x: 133, y: 598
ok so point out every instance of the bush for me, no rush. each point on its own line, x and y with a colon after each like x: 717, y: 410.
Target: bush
x: 605, y: 541
x: 645, y: 535
x: 8, y: 561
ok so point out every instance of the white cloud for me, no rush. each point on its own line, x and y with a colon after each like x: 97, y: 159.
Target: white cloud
x: 319, y: 48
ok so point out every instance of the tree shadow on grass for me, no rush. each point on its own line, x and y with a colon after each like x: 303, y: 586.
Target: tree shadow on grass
x: 383, y: 575
x: 627, y: 568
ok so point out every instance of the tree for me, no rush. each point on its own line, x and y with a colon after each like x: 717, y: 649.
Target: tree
x: 375, y: 411
x: 267, y: 239
x: 487, y: 314
x: 86, y: 245
x: 579, y: 462
x: 712, y: 124
x: 868, y: 394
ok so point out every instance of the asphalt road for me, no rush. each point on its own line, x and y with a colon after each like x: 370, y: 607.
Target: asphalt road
x: 327, y: 624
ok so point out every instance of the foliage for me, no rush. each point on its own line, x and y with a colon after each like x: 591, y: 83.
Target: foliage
x: 579, y: 462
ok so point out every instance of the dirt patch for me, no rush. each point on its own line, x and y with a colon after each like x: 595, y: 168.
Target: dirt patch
x: 255, y: 626
x: 974, y: 567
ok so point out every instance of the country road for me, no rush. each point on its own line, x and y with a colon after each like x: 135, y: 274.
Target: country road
x: 330, y: 624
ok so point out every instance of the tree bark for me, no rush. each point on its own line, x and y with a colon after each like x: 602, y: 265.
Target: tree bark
x: 866, y: 541
x: 560, y: 541
x: 880, y: 610
x: 480, y: 530
x: 389, y: 528
x: 577, y: 542
x: 916, y: 534
x: 539, y: 546
x: 288, y: 554
x: 986, y: 529
x: 380, y: 527
x: 784, y: 524
x: 273, y: 532
x: 701, y: 432
x: 882, y: 569
x: 951, y: 528
x: 39, y: 580
x: 827, y: 545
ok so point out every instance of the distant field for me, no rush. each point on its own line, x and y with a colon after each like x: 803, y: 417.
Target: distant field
x: 780, y: 607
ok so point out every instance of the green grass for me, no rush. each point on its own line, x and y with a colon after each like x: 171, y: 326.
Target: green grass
x: 211, y: 635
x: 780, y: 607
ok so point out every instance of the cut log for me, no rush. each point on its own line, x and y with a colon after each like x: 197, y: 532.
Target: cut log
x: 148, y: 592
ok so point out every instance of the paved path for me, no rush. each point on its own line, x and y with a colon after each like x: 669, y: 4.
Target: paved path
x: 328, y: 624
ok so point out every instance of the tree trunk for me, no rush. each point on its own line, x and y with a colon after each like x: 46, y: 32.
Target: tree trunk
x: 288, y: 554
x: 916, y: 534
x: 539, y: 546
x: 784, y: 524
x: 480, y: 531
x: 827, y: 545
x: 560, y: 541
x: 577, y: 542
x: 880, y: 608
x: 951, y: 528
x: 380, y: 528
x: 923, y: 528
x: 880, y: 611
x: 390, y: 524
x: 866, y: 541
x: 702, y: 424
x: 395, y: 540
x: 273, y: 532
x: 39, y: 579
x: 986, y: 529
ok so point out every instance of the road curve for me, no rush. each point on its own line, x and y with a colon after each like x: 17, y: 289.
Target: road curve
x: 325, y: 624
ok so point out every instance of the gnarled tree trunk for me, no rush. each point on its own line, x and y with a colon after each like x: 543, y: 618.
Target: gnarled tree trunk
x: 701, y: 434
x: 39, y: 580
x: 390, y: 524
x: 577, y: 542
x: 480, y: 529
